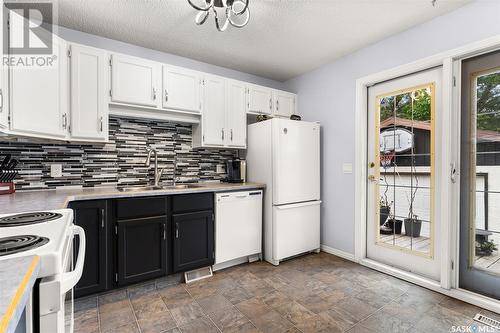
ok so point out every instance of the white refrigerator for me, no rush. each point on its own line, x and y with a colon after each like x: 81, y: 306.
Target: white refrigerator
x: 285, y: 155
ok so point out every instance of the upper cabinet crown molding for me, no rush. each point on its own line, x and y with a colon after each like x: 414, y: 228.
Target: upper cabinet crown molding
x: 88, y: 85
x: 135, y: 81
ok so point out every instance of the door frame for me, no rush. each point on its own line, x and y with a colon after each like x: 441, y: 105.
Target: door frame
x: 447, y: 161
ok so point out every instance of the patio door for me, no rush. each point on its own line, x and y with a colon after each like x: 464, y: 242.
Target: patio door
x: 480, y: 175
x: 403, y: 120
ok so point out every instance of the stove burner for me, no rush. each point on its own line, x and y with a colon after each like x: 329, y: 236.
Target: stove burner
x: 28, y: 218
x: 15, y: 244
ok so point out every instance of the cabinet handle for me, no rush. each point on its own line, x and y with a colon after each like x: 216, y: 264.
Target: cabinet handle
x: 166, y: 95
x: 1, y: 100
x: 177, y: 230
x: 154, y: 94
x: 231, y: 134
x: 65, y: 120
x: 270, y: 104
x: 164, y: 231
x: 222, y: 132
x: 277, y: 105
x: 101, y: 126
x: 102, y: 217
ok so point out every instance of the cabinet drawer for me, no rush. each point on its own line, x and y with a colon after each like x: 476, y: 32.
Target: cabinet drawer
x: 192, y: 202
x: 140, y: 207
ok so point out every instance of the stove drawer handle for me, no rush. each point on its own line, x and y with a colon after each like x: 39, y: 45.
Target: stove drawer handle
x: 70, y: 279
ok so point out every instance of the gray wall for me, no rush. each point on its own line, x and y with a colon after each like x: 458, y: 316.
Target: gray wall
x: 327, y: 94
x: 134, y: 50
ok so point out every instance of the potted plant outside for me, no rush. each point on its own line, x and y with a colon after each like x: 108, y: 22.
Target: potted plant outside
x: 385, y: 210
x: 395, y: 225
x: 413, y: 226
x: 485, y: 248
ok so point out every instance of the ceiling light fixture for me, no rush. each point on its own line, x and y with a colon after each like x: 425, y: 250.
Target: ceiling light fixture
x: 236, y: 11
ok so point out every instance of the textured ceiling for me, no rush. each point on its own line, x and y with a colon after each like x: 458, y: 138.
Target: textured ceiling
x: 283, y: 39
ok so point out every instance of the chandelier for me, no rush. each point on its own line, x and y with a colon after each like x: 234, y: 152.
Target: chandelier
x: 236, y: 12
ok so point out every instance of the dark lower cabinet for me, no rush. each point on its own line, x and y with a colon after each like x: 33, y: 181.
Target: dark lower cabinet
x: 193, y: 240
x: 141, y: 249
x: 92, y: 217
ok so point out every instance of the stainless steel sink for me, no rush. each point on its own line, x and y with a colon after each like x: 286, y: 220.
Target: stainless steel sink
x: 155, y: 188
x: 140, y: 188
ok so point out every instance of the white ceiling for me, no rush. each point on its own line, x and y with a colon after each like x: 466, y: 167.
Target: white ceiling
x: 283, y: 39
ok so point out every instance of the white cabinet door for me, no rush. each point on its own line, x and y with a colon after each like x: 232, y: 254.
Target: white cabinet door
x: 260, y: 99
x: 38, y: 97
x: 236, y: 118
x: 284, y: 103
x: 214, y: 110
x: 135, y: 81
x: 89, y: 110
x: 181, y: 89
x: 3, y: 84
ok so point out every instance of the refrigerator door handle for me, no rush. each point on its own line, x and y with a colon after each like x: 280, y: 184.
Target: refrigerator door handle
x: 300, y: 204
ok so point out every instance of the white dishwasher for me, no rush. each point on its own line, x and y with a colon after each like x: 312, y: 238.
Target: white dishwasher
x: 238, y: 227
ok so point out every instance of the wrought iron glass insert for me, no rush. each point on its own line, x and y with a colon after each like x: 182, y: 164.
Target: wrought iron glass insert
x: 405, y: 151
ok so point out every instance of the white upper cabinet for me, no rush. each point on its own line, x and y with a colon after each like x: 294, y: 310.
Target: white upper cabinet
x: 181, y: 89
x: 135, y: 81
x: 88, y: 82
x: 260, y: 99
x: 284, y: 103
x: 38, y: 97
x: 236, y: 118
x: 4, y: 123
x: 214, y: 111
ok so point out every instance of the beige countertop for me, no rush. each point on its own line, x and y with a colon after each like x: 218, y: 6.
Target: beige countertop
x: 17, y: 277
x: 25, y: 201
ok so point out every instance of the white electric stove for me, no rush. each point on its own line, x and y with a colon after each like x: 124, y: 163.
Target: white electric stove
x: 49, y: 235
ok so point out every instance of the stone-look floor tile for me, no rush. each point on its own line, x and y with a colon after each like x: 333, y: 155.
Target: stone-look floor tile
x: 253, y: 308
x: 354, y: 308
x: 175, y: 296
x: 140, y: 290
x: 157, y: 322
x: 236, y: 295
x: 186, y: 313
x: 127, y: 328
x: 246, y: 327
x: 86, y: 321
x: 465, y: 309
x: 213, y: 303
x: 341, y: 321
x: 317, y: 324
x: 116, y: 314
x: 373, y: 299
x: 440, y: 319
x: 145, y: 307
x: 360, y: 329
x: 315, y: 303
x: 275, y: 299
x: 199, y: 325
x: 293, y: 330
x: 390, y: 319
x: 86, y: 303
x: 169, y: 280
x: 272, y: 322
x: 295, y: 312
x: 174, y: 330
x: 228, y: 319
x: 112, y: 297
x: 116, y: 306
x: 200, y: 289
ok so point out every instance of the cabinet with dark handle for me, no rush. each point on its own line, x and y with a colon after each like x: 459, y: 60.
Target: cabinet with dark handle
x: 92, y: 216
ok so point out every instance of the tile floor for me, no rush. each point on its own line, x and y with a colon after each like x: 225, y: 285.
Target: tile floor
x: 314, y: 293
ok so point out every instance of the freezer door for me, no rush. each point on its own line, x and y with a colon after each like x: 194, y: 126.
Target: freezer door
x: 296, y: 229
x: 296, y: 161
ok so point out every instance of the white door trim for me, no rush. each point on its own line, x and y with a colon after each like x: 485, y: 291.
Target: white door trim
x: 450, y: 103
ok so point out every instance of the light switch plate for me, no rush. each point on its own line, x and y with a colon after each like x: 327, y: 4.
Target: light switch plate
x: 347, y: 168
x: 55, y: 170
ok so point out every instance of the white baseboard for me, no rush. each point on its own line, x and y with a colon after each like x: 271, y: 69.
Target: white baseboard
x: 338, y: 253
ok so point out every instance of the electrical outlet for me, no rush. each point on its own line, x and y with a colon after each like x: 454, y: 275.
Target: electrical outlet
x: 55, y: 170
x: 220, y: 168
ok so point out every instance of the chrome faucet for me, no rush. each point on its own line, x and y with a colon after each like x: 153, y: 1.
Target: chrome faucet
x: 158, y: 173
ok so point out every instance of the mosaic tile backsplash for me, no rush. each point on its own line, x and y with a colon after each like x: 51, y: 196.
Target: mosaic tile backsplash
x: 119, y: 162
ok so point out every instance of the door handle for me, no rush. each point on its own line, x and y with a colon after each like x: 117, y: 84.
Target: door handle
x: 101, y: 120
x: 231, y: 134
x: 372, y: 178
x: 222, y: 132
x: 154, y: 94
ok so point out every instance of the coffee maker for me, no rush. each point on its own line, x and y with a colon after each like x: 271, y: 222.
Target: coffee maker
x: 236, y: 171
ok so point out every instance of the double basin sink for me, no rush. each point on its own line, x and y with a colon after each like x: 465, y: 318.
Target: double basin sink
x: 155, y: 188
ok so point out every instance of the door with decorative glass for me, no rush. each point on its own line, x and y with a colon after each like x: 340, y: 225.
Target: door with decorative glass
x: 480, y: 175
x: 403, y: 120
